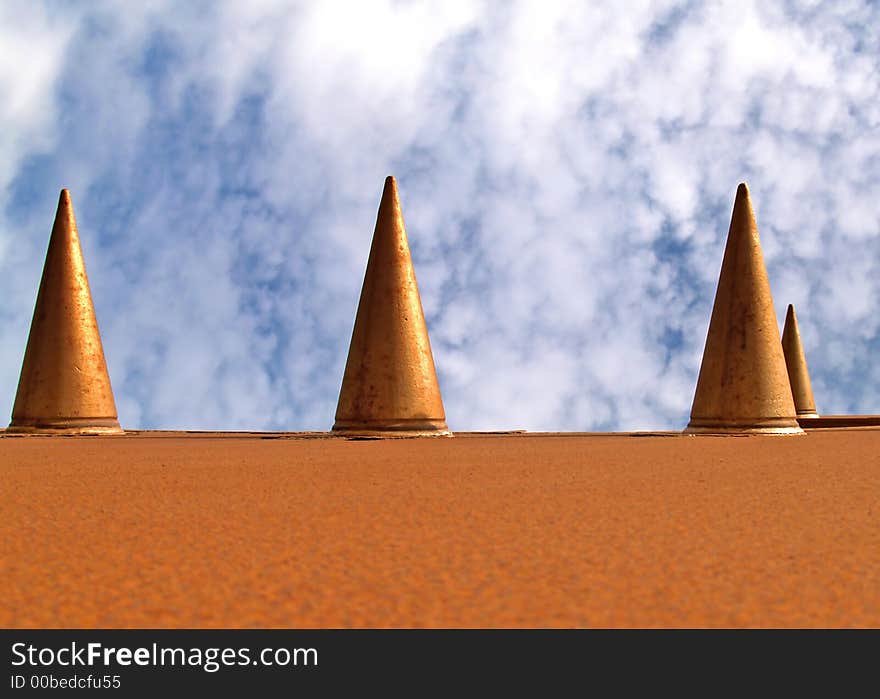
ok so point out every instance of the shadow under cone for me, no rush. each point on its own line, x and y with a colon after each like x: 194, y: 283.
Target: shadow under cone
x: 743, y: 384
x: 390, y: 384
x: 796, y: 363
x: 64, y: 385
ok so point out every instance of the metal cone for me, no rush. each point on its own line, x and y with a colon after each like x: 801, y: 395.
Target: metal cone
x: 64, y: 385
x: 390, y: 384
x: 796, y: 363
x: 743, y: 384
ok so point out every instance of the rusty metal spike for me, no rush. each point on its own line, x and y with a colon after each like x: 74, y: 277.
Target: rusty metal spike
x: 796, y: 363
x: 743, y: 384
x: 64, y: 385
x: 390, y: 385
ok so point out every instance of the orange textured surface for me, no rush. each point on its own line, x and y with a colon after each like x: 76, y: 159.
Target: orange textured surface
x: 165, y: 530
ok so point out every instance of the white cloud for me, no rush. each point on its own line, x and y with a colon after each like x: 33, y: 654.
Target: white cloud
x: 33, y: 43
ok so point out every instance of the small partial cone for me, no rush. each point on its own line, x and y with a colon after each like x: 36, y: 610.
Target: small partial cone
x: 64, y: 385
x: 796, y: 363
x: 390, y: 384
x: 743, y: 384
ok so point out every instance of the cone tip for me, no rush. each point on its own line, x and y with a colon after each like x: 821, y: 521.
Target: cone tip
x: 390, y: 196
x: 742, y: 219
x: 390, y: 186
x: 64, y: 197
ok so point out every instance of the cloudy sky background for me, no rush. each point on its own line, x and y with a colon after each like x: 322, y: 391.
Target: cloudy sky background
x: 566, y: 173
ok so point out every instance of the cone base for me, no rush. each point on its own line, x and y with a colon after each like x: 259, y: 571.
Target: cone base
x: 397, y: 428
x: 782, y: 426
x: 812, y: 413
x: 85, y: 425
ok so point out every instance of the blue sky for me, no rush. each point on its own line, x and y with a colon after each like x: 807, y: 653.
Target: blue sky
x: 566, y: 173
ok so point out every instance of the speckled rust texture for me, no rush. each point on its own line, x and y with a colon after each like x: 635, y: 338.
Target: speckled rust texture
x: 475, y: 531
